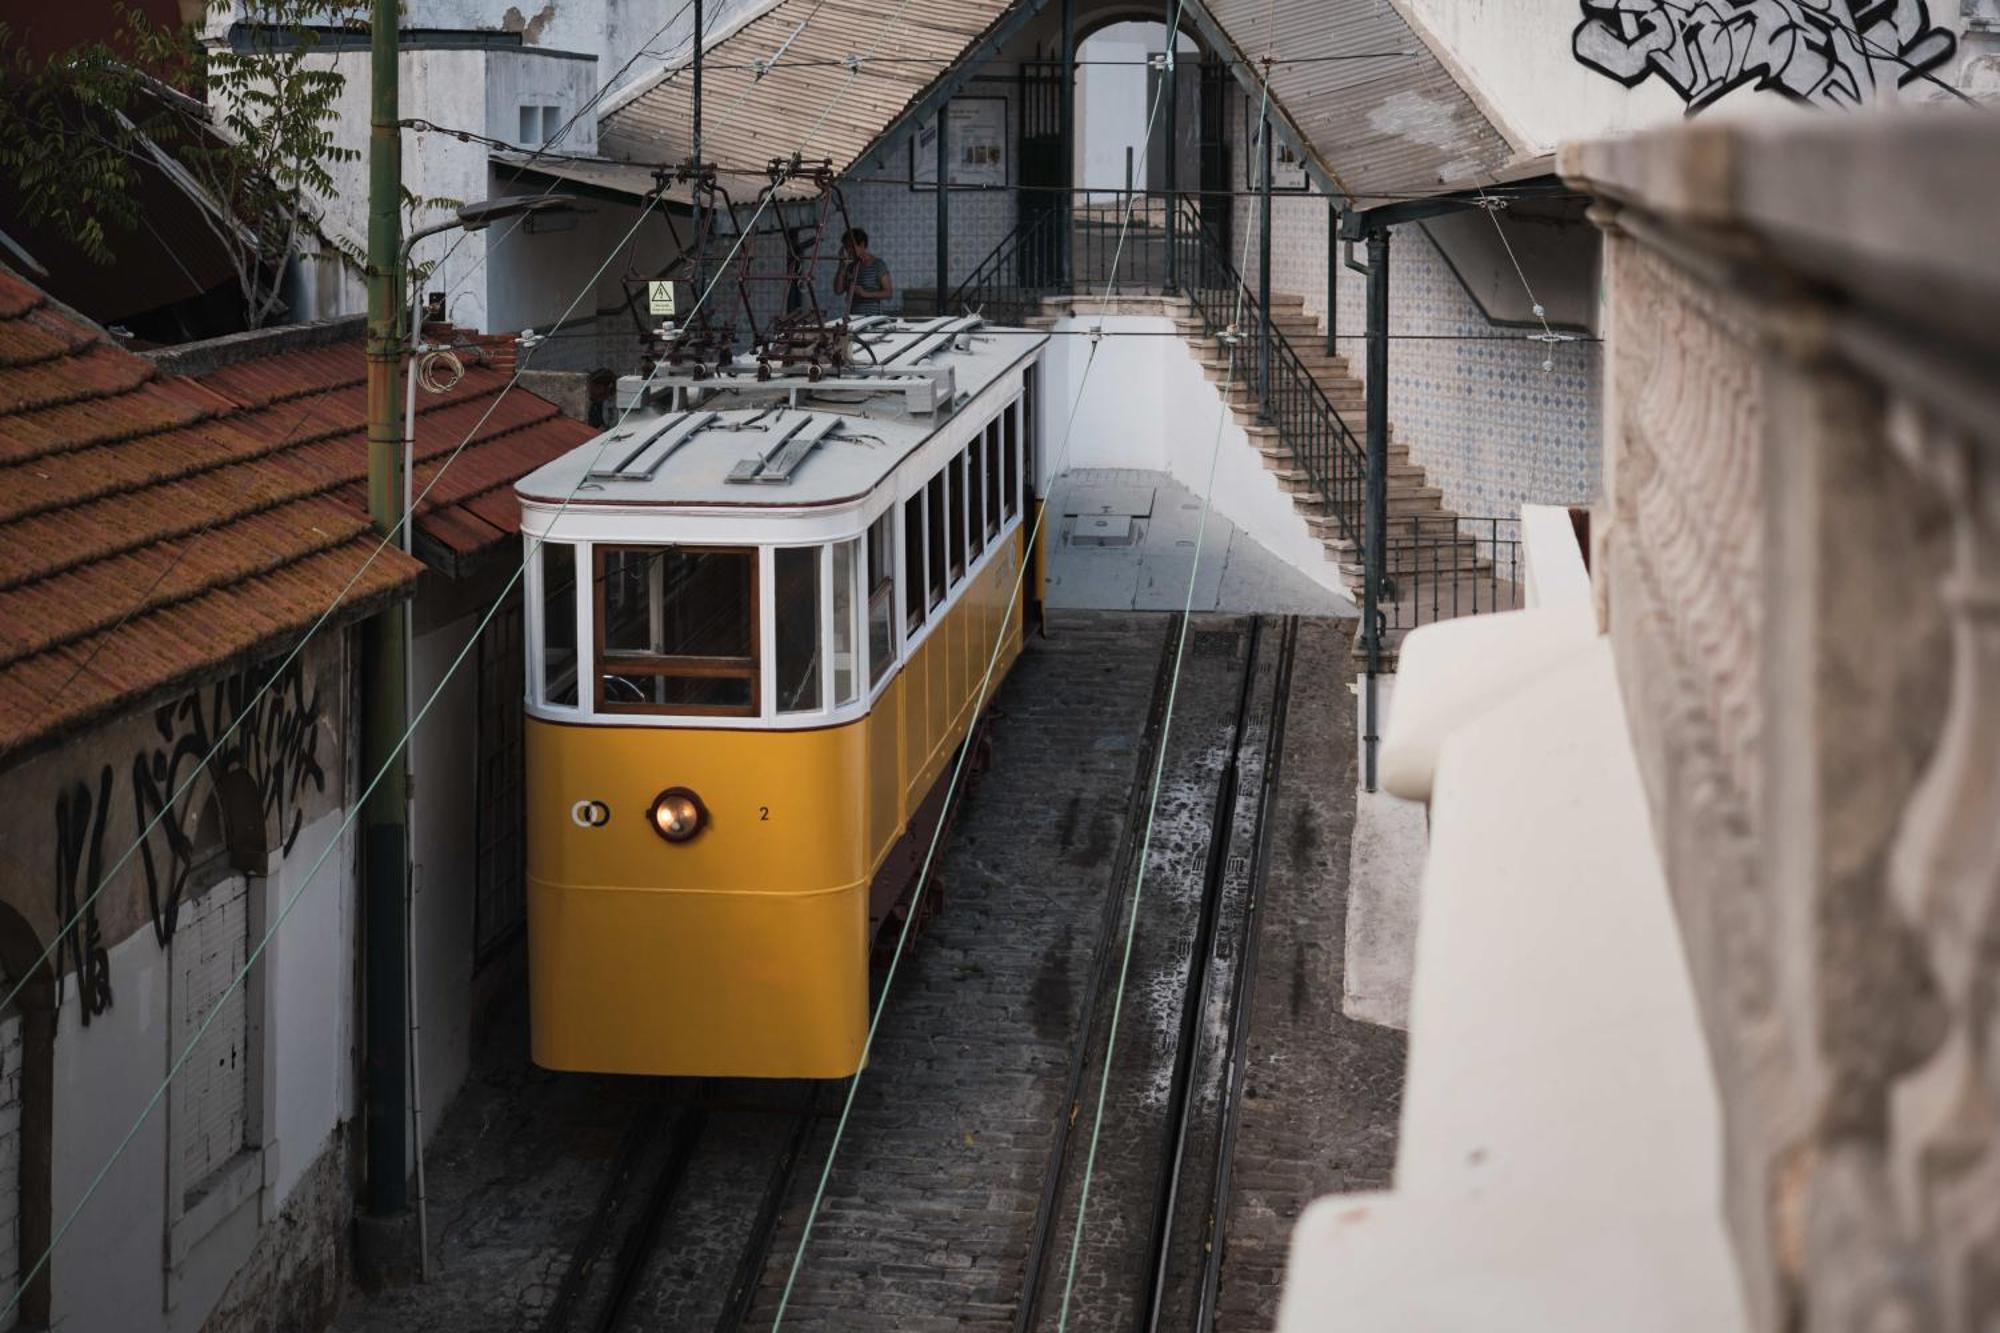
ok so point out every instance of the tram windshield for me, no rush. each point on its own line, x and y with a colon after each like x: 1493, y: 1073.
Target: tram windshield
x: 677, y: 630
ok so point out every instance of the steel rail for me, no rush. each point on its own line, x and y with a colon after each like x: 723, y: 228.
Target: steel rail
x: 1215, y: 1240
x: 1196, y: 990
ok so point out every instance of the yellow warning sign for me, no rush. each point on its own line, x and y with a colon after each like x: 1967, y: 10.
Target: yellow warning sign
x: 660, y: 297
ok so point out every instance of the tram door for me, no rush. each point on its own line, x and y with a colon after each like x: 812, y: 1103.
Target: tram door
x: 1044, y: 177
x: 1217, y: 215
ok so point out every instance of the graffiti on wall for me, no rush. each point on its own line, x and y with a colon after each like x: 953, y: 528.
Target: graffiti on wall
x: 275, y: 744
x: 273, y: 751
x: 79, y: 867
x: 1824, y: 52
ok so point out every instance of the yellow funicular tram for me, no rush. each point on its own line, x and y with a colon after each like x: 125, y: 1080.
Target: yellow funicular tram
x: 757, y: 626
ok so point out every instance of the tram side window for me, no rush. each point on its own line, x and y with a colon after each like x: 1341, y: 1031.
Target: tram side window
x: 913, y: 562
x: 993, y: 474
x: 796, y: 573
x: 559, y: 624
x: 846, y: 629
x: 882, y: 597
x: 677, y: 630
x: 939, y: 535
x: 975, y: 504
x: 1010, y: 420
x: 954, y: 472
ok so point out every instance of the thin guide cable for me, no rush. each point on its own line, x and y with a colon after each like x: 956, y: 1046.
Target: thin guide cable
x: 533, y: 548
x: 958, y: 768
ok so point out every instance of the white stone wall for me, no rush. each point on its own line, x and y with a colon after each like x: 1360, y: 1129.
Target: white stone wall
x: 124, y: 1263
x: 10, y: 1163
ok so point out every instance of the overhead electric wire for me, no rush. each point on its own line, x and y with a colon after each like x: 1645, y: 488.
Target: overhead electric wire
x: 28, y: 1274
x: 958, y: 768
x: 1159, y: 776
x: 392, y: 537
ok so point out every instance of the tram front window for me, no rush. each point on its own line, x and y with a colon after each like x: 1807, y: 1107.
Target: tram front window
x: 882, y: 597
x: 559, y: 624
x: 676, y: 630
x: 797, y: 574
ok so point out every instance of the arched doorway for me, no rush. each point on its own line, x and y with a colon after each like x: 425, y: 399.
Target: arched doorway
x: 1118, y: 99
x: 27, y: 1115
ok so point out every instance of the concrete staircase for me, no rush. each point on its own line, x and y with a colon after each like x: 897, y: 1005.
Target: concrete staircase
x: 1414, y: 504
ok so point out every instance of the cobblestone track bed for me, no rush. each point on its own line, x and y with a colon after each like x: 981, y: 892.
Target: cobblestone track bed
x: 927, y: 1213
x: 1112, y: 1269
x: 929, y: 1210
x: 1321, y: 1091
x: 1195, y: 1200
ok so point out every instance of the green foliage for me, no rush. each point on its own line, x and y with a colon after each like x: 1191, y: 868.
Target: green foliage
x: 247, y: 111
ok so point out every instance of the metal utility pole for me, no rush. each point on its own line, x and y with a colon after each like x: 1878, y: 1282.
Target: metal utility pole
x: 1375, y: 532
x: 943, y: 205
x: 1270, y: 329
x: 1171, y: 171
x: 1332, y: 277
x: 697, y: 82
x: 1067, y: 201
x: 384, y: 1234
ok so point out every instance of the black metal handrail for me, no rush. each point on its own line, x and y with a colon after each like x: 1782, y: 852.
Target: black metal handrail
x: 1290, y: 397
x: 1126, y: 245
x: 1118, y: 246
x: 1442, y: 566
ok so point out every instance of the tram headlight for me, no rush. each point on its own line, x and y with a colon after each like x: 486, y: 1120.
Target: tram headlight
x: 677, y: 814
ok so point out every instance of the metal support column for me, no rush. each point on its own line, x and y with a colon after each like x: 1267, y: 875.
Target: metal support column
x: 1171, y: 173
x: 1332, y: 278
x: 1066, y: 215
x: 943, y: 206
x: 384, y: 1236
x: 1375, y: 533
x: 1270, y: 329
x: 697, y: 82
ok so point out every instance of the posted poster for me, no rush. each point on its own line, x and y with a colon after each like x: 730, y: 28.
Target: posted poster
x: 978, y: 144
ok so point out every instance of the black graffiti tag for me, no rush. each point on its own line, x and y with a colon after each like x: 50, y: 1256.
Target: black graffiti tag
x: 274, y: 743
x: 79, y: 867
x: 1823, y: 52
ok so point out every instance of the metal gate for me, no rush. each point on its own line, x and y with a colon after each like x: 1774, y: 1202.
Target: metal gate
x: 1044, y: 178
x: 500, y: 898
x: 1217, y: 204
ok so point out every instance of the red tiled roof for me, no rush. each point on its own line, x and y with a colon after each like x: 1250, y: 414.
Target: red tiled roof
x: 156, y: 528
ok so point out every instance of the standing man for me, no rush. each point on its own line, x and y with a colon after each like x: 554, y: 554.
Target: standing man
x: 862, y: 278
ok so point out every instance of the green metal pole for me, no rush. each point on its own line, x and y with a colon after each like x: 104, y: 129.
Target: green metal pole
x: 384, y: 706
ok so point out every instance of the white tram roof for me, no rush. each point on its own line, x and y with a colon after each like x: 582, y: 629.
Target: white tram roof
x: 745, y: 445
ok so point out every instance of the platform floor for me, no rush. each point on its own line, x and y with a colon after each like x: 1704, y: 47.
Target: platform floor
x: 1124, y: 539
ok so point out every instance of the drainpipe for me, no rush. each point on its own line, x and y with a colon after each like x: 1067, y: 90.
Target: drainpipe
x: 1376, y: 530
x: 1066, y: 201
x: 943, y: 206
x: 1264, y: 275
x: 1171, y: 182
x: 384, y: 1235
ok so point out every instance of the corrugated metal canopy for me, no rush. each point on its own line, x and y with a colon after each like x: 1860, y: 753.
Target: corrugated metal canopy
x: 1376, y: 108
x: 810, y: 102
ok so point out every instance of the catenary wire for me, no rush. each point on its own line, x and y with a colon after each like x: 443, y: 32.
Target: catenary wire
x: 388, y: 539
x: 395, y: 757
x: 958, y: 768
x: 1159, y: 776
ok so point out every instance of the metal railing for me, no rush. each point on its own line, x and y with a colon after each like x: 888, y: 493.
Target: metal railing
x: 1262, y: 361
x: 1116, y: 241
x: 1441, y: 566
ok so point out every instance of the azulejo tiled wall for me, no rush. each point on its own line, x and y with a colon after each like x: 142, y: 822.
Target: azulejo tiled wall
x: 1492, y: 429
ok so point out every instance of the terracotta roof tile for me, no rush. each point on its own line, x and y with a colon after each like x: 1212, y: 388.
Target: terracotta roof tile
x: 155, y: 529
